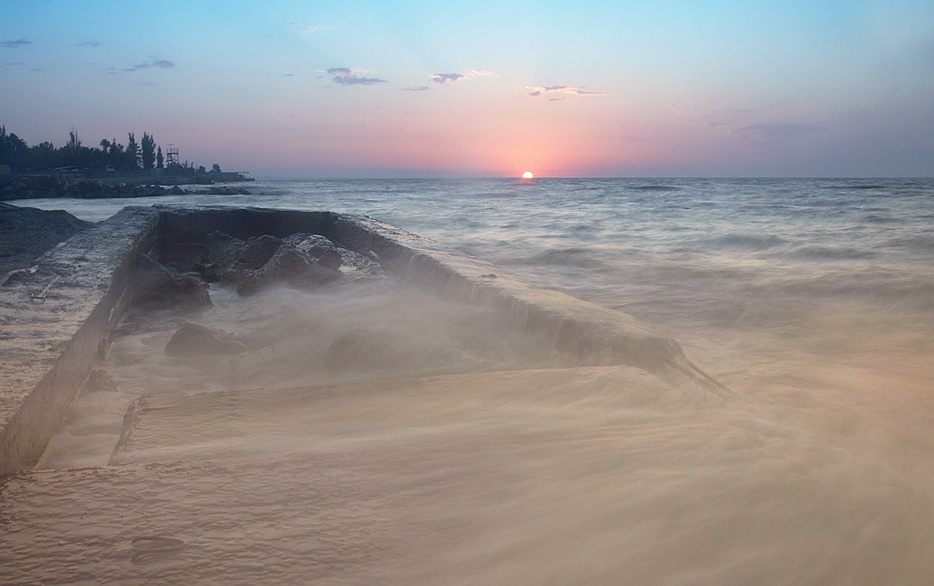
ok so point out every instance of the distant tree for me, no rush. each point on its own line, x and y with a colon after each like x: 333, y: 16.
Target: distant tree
x: 74, y: 143
x: 73, y: 154
x: 132, y: 152
x: 115, y: 156
x: 14, y: 151
x: 148, y: 151
x: 216, y: 168
x: 43, y: 156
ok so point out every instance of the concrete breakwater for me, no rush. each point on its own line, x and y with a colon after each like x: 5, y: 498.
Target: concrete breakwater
x: 60, y: 320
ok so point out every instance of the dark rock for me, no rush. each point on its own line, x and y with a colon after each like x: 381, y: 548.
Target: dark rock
x: 325, y: 252
x: 26, y: 233
x: 175, y: 191
x: 216, y: 190
x: 228, y: 259
x: 299, y: 260
x: 290, y: 267
x: 159, y: 287
x: 193, y: 340
x: 100, y: 381
x: 365, y: 350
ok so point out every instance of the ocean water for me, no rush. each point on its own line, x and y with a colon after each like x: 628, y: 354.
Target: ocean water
x: 812, y: 299
x: 705, y: 259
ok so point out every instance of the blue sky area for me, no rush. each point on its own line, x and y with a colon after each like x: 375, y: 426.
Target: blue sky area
x: 480, y: 89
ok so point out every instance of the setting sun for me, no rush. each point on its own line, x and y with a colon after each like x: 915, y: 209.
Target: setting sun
x: 527, y: 175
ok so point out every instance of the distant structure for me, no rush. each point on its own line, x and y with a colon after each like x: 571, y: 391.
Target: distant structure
x: 171, y: 156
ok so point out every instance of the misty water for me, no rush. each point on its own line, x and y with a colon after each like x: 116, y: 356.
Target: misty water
x: 813, y: 300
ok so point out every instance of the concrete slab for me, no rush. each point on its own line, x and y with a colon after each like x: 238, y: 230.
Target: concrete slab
x: 376, y: 414
x: 58, y: 322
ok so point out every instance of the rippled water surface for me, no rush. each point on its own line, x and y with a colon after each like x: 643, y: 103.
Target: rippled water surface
x: 705, y: 251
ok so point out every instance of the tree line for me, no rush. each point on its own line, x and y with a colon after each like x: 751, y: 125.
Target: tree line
x: 44, y: 156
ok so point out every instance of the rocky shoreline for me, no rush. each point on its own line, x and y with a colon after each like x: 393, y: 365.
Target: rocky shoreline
x: 50, y: 187
x: 26, y: 233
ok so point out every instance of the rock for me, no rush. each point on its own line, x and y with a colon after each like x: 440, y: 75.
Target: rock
x: 159, y: 287
x: 290, y: 267
x: 228, y: 259
x: 197, y: 340
x: 365, y: 350
x: 175, y: 191
x: 216, y: 190
x: 299, y: 260
x: 26, y: 233
x: 325, y: 252
x: 100, y: 381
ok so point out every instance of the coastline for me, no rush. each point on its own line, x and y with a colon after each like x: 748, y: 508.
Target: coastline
x: 58, y: 186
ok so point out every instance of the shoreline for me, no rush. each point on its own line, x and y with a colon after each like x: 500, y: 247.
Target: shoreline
x: 58, y: 186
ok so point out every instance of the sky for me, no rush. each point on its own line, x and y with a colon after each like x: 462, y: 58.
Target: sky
x: 486, y: 88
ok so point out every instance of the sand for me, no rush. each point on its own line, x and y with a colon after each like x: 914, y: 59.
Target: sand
x: 598, y: 475
x: 443, y: 447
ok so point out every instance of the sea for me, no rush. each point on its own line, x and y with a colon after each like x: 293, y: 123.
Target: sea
x: 707, y: 261
x: 811, y: 299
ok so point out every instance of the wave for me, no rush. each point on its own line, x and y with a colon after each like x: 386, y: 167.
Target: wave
x: 574, y: 256
x: 922, y: 243
x: 879, y: 219
x: 751, y: 242
x: 884, y: 291
x: 832, y: 253
x: 653, y: 187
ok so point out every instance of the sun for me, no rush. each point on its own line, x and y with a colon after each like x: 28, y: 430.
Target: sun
x: 527, y: 175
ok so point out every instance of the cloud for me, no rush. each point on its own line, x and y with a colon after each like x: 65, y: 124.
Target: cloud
x: 443, y: 78
x: 557, y: 92
x: 777, y: 130
x: 420, y: 88
x: 13, y: 63
x: 14, y: 44
x: 347, y: 76
x: 152, y: 62
x: 89, y: 44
